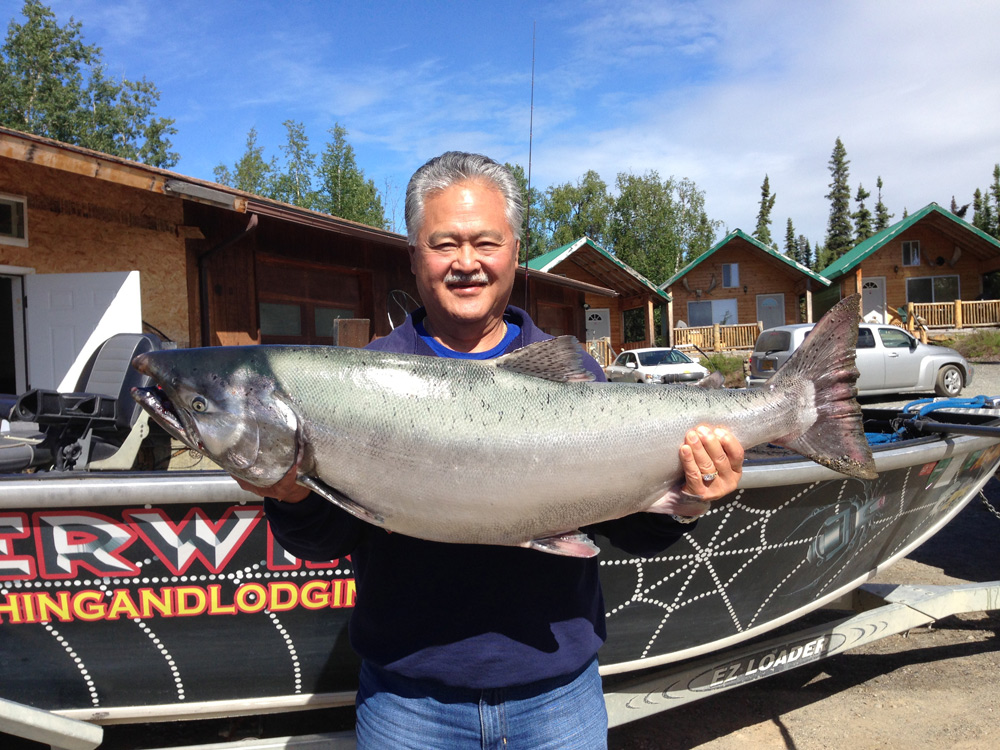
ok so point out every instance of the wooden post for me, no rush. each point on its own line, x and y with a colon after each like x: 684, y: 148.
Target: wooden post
x: 958, y: 313
x: 911, y: 323
x: 717, y: 335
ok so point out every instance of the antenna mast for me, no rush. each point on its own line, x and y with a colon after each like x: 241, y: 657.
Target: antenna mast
x: 531, y: 128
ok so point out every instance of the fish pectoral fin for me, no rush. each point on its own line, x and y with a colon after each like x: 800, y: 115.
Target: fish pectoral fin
x: 341, y: 500
x: 559, y: 359
x: 571, y: 544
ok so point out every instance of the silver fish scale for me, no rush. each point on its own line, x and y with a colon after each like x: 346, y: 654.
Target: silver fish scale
x: 464, y: 451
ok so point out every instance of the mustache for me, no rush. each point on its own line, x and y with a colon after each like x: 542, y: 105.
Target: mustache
x: 456, y: 277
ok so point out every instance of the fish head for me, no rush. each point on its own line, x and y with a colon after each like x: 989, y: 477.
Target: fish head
x: 225, y: 405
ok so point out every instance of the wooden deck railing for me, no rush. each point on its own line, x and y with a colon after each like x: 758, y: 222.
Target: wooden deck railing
x: 958, y: 314
x: 718, y: 338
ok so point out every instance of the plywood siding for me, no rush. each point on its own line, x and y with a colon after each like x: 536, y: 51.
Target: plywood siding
x: 758, y: 272
x: 937, y: 258
x: 81, y: 225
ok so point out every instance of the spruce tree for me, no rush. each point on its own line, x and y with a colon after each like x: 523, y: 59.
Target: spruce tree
x: 882, y: 215
x: 762, y: 233
x: 839, y: 230
x: 862, y: 216
x: 803, y: 252
x: 791, y: 250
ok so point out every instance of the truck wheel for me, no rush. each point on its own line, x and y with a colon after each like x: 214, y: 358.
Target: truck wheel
x: 949, y: 381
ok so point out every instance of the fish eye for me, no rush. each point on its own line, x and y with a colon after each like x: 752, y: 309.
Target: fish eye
x: 199, y: 404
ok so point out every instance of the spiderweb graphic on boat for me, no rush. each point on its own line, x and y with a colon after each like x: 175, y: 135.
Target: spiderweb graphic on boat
x: 770, y: 554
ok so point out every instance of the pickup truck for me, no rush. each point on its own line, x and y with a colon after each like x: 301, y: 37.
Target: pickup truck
x: 889, y: 360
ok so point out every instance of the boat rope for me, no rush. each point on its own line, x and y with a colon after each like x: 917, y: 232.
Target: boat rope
x: 925, y: 406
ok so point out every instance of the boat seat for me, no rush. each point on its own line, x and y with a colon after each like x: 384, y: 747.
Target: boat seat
x: 74, y: 431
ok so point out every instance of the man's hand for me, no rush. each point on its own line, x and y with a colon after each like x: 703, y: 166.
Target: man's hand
x: 712, y: 460
x: 285, y: 489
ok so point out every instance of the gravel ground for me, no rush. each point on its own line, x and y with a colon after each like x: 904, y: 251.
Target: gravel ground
x: 932, y: 687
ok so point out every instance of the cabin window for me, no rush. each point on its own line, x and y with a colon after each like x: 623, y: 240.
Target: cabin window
x: 933, y: 289
x: 710, y: 312
x: 730, y: 275
x: 911, y: 253
x: 280, y: 319
x: 13, y: 220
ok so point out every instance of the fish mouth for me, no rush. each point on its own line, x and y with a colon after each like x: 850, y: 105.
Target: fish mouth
x: 159, y: 407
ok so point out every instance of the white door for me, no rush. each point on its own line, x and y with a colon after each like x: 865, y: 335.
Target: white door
x: 68, y: 315
x: 598, y: 323
x: 873, y: 300
x: 771, y: 310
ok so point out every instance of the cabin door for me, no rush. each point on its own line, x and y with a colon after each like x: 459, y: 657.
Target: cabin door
x: 873, y: 299
x: 771, y: 310
x: 68, y: 315
x: 598, y: 323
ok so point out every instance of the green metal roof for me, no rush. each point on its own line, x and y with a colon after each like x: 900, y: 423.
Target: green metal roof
x: 852, y: 258
x: 757, y: 244
x: 554, y: 257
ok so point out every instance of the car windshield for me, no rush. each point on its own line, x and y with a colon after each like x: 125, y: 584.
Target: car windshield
x: 773, y: 341
x: 663, y: 357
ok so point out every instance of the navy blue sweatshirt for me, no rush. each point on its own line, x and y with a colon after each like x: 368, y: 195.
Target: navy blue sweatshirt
x: 466, y: 615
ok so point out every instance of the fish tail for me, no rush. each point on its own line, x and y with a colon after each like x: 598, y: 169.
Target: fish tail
x: 827, y: 360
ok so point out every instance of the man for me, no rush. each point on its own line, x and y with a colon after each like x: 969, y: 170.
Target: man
x: 466, y: 645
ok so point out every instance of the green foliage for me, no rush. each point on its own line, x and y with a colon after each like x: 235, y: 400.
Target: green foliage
x: 344, y: 191
x: 987, y: 207
x: 762, y: 233
x: 882, y: 215
x: 295, y: 184
x: 839, y: 231
x: 574, y: 211
x: 532, y: 230
x: 337, y: 186
x: 252, y: 173
x: 54, y: 85
x: 803, y: 253
x: 791, y: 249
x: 983, y: 344
x: 862, y: 216
x: 731, y: 366
x: 656, y: 224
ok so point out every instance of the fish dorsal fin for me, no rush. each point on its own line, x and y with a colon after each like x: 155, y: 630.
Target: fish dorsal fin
x: 558, y: 359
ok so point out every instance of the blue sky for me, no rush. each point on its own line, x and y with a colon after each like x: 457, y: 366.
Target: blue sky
x: 719, y: 91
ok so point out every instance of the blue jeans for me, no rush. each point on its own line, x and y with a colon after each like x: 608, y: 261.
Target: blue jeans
x: 398, y: 712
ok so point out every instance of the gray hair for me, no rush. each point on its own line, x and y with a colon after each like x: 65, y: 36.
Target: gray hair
x: 451, y: 168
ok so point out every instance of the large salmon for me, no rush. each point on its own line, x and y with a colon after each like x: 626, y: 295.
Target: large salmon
x: 512, y: 451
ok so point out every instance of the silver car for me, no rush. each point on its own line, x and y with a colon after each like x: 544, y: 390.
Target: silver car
x: 654, y: 365
x: 889, y: 360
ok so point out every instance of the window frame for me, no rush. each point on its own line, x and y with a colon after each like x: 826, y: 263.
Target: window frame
x: 734, y: 275
x: 10, y: 239
x: 913, y: 247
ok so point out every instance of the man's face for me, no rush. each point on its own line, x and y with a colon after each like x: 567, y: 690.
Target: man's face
x: 465, y: 256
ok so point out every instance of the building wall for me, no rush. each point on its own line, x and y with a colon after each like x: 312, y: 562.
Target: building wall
x: 936, y: 254
x: 81, y: 225
x: 757, y: 272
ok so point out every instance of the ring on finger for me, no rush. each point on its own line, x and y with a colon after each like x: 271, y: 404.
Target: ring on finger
x: 709, y: 477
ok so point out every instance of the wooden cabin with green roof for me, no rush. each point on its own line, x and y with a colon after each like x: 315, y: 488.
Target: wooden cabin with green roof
x: 623, y: 316
x: 932, y: 263
x: 727, y: 295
